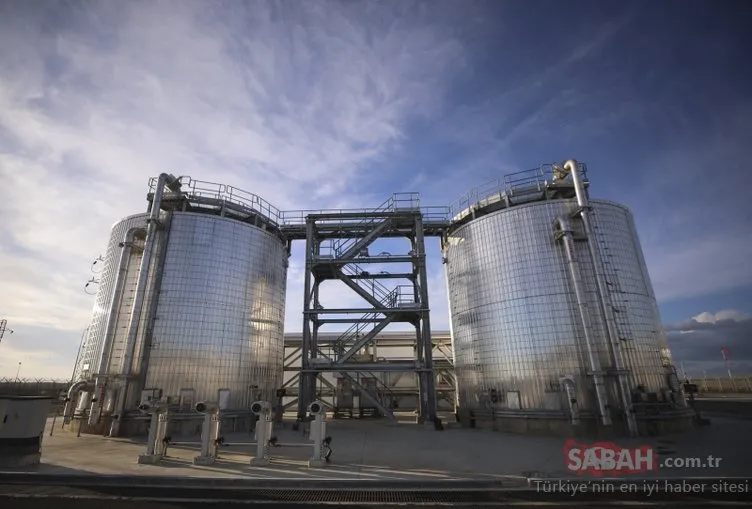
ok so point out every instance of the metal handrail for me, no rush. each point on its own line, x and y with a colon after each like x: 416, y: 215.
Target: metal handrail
x: 355, y: 329
x: 511, y: 184
x: 379, y: 382
x: 342, y: 245
x: 224, y: 193
x: 521, y: 182
x: 405, y: 297
x: 396, y: 297
x: 353, y: 269
x: 227, y: 194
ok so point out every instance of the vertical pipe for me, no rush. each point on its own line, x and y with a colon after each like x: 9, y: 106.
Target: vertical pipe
x: 160, y: 448
x: 606, y: 311
x: 565, y: 232
x: 152, y: 230
x: 116, y: 301
x: 143, y: 274
x: 573, y: 168
x: 574, y: 414
x: 102, y: 368
x: 154, y: 302
x: 151, y: 439
x: 206, y: 435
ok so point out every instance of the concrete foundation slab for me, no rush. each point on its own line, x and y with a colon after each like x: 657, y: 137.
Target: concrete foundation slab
x: 373, y: 450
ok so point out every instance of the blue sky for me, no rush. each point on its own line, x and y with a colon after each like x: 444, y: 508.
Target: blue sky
x: 340, y: 103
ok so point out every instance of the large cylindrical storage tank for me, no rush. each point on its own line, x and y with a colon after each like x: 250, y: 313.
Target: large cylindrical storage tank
x: 520, y: 351
x: 204, y: 323
x: 220, y: 316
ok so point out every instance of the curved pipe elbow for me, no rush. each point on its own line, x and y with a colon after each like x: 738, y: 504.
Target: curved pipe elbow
x: 563, y: 224
x: 130, y: 236
x: 76, y: 387
x: 171, y: 181
x: 571, y: 165
x: 574, y: 170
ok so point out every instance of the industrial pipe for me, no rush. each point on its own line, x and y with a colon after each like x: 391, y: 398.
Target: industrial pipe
x: 140, y: 293
x: 569, y: 389
x: 606, y: 311
x: 565, y: 231
x: 127, y: 244
x: 102, y: 367
x: 579, y: 189
x: 69, y: 405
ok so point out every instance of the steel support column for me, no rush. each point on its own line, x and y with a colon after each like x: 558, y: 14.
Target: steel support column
x: 306, y: 382
x: 423, y: 327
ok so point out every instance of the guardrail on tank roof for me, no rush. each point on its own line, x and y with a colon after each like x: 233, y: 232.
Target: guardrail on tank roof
x: 512, y: 184
x: 253, y: 202
x: 227, y: 194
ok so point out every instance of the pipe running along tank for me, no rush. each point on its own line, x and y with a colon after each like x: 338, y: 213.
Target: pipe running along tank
x: 555, y: 326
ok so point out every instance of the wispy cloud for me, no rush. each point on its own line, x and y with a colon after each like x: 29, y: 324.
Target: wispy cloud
x: 338, y: 104
x: 287, y: 100
x: 270, y: 97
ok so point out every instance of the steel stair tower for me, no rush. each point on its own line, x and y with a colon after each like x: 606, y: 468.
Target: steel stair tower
x: 337, y: 250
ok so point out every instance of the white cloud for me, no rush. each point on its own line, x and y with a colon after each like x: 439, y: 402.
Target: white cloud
x: 699, y: 341
x: 288, y: 102
x: 729, y: 314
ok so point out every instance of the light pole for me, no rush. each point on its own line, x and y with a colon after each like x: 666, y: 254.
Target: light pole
x: 15, y: 381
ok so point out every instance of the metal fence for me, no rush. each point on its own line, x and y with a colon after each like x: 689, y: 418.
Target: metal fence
x: 48, y: 387
x: 32, y: 386
x: 718, y: 385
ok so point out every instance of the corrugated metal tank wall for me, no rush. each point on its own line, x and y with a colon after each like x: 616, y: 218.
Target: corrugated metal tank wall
x: 91, y: 353
x: 514, y: 318
x: 220, y: 315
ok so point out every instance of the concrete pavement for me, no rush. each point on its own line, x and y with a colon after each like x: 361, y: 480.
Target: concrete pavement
x: 375, y: 450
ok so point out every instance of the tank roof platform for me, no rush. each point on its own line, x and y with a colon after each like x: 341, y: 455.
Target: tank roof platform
x: 536, y: 184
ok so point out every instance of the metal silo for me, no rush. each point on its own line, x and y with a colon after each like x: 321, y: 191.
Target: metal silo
x: 190, y: 305
x: 116, y: 286
x: 555, y: 326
